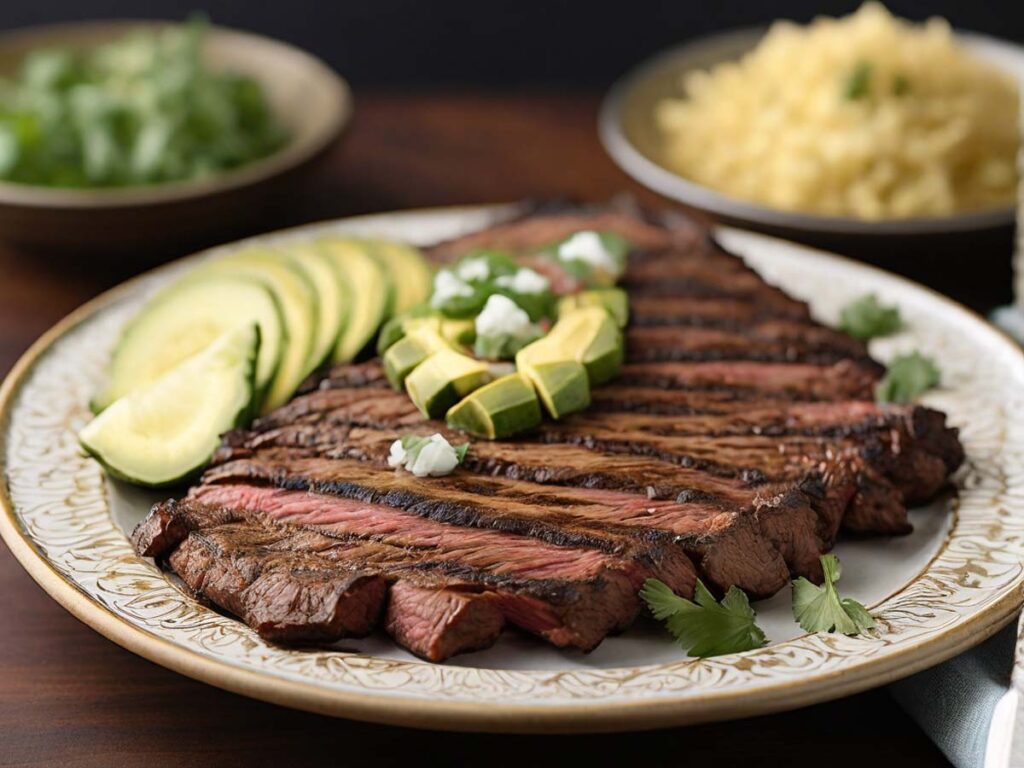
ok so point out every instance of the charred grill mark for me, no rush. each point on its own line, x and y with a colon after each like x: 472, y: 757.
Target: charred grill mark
x: 360, y: 551
x: 552, y: 527
x: 766, y: 352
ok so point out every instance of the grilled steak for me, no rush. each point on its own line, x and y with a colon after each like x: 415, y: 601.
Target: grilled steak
x: 726, y: 543
x: 738, y: 439
x: 438, y: 623
x: 570, y: 596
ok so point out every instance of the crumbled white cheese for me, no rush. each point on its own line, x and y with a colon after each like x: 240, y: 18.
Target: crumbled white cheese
x: 474, y: 269
x: 502, y: 317
x: 587, y: 246
x: 396, y: 457
x: 524, y: 281
x: 435, y: 457
x: 447, y: 286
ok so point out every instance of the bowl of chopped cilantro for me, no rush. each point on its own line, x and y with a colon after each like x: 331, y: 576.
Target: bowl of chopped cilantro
x: 116, y: 136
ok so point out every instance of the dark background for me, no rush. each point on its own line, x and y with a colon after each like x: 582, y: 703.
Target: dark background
x: 509, y: 43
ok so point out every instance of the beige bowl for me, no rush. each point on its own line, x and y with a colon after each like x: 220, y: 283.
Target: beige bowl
x: 630, y: 136
x: 312, y: 101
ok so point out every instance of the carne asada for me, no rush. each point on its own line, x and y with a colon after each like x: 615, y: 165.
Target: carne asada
x: 737, y: 440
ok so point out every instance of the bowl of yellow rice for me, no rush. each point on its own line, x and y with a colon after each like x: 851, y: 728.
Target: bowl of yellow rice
x: 867, y: 124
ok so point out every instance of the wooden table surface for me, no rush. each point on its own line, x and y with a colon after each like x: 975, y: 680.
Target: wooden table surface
x: 68, y: 697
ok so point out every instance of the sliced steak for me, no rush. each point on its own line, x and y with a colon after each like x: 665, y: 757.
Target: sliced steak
x: 710, y: 312
x: 439, y: 623
x: 532, y: 230
x: 584, y: 593
x: 845, y: 380
x: 286, y: 597
x: 572, y: 598
x: 727, y: 545
x: 769, y: 342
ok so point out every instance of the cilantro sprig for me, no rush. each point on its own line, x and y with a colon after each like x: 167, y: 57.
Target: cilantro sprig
x: 821, y: 609
x: 866, y: 318
x: 703, y: 626
x: 908, y: 377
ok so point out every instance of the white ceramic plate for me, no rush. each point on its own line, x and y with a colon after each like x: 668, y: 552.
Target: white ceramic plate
x: 627, y: 129
x: 954, y: 581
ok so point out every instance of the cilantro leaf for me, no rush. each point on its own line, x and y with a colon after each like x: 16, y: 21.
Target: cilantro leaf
x: 142, y: 109
x: 705, y: 627
x: 505, y: 345
x: 908, y: 377
x: 858, y: 83
x: 866, y: 318
x: 413, y: 444
x: 820, y: 609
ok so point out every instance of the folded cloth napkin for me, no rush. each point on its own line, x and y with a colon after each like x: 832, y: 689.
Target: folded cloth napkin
x: 964, y: 704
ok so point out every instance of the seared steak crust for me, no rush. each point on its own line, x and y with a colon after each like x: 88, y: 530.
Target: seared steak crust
x: 738, y: 439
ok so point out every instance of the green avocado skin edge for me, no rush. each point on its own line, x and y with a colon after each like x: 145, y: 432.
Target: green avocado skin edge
x: 242, y: 417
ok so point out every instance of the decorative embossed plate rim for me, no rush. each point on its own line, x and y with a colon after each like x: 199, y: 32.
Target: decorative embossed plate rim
x: 55, y: 519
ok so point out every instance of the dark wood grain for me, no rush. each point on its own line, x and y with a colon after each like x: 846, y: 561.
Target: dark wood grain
x: 68, y: 697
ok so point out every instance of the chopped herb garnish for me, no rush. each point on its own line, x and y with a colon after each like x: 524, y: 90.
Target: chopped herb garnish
x: 505, y: 345
x: 705, y: 627
x: 460, y: 451
x: 142, y: 109
x: 858, y: 84
x: 866, y: 318
x: 908, y: 377
x: 820, y: 609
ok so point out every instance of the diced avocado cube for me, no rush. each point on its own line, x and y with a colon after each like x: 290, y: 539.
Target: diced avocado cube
x: 395, y: 329
x: 614, y: 300
x: 459, y: 332
x: 590, y: 336
x: 504, y: 407
x: 444, y: 378
x: 561, y: 382
x: 404, y: 355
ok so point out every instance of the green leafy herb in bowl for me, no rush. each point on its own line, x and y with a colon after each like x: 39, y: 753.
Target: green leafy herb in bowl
x: 141, y: 109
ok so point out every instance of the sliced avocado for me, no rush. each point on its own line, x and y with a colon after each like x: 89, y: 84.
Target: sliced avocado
x: 590, y: 336
x: 370, y: 291
x: 299, y: 309
x: 444, y: 378
x: 499, y: 409
x: 332, y: 294
x: 410, y: 274
x: 403, y: 356
x: 184, y: 319
x: 560, y: 381
x: 166, y: 430
x: 614, y: 300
